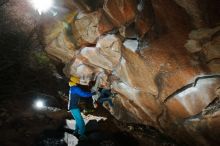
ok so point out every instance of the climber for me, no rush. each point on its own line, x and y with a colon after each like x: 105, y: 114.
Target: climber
x: 102, y: 90
x: 105, y: 95
x: 75, y: 93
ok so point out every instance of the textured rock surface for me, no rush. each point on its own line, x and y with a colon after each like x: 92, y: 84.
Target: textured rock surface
x: 202, y: 13
x: 128, y: 31
x: 110, y: 46
x: 87, y: 29
x: 144, y: 19
x: 193, y: 46
x: 61, y: 48
x: 56, y: 39
x: 167, y: 84
x: 131, y: 45
x: 93, y: 57
x: 120, y: 11
x: 192, y: 8
x: 206, y: 40
x: 193, y: 100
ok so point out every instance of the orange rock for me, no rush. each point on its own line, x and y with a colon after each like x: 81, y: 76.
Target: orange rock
x: 110, y: 46
x: 61, y: 48
x: 128, y: 31
x: 87, y: 29
x: 212, y: 53
x: 193, y: 100
x: 144, y: 19
x: 120, y: 11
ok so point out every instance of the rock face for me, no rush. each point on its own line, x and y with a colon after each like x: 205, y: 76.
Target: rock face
x: 120, y: 11
x: 192, y: 8
x: 87, y: 29
x: 192, y: 100
x: 58, y: 44
x: 207, y: 41
x: 61, y: 48
x: 203, y: 13
x: 172, y: 83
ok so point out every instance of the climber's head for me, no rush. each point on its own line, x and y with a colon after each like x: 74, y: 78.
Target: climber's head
x: 73, y: 81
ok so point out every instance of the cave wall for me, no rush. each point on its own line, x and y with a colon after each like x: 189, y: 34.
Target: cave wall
x: 160, y: 56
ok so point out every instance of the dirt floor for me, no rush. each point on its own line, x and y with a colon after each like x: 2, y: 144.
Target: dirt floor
x: 22, y: 125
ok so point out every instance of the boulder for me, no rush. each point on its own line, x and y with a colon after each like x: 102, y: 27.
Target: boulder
x: 106, y: 54
x: 61, y: 48
x: 212, y: 53
x: 128, y: 31
x: 197, y: 129
x: 51, y: 30
x: 110, y: 46
x: 145, y: 107
x: 83, y: 71
x: 214, y: 66
x: 169, y: 65
x: 193, y: 100
x: 120, y: 11
x: 134, y: 72
x: 93, y: 57
x: 89, y: 27
x: 82, y: 68
x: 207, y: 41
x: 194, y: 11
x: 203, y: 34
x: 81, y: 6
x: 144, y: 18
x: 56, y: 39
x: 131, y: 45
x: 193, y: 46
x: 152, y: 81
x: 143, y: 25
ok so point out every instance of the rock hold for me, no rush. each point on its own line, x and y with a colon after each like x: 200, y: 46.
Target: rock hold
x: 193, y: 9
x: 120, y: 11
x: 128, y: 31
x: 207, y: 41
x: 131, y: 45
x: 110, y: 47
x: 95, y: 57
x: 193, y: 100
x: 58, y: 44
x: 144, y: 18
x: 61, y: 48
x: 89, y: 27
x: 193, y: 46
x: 203, y: 33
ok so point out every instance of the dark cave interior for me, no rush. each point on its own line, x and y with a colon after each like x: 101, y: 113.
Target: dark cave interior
x: 151, y: 54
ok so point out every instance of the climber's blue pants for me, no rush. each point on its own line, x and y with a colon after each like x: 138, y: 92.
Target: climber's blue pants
x: 80, y: 124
